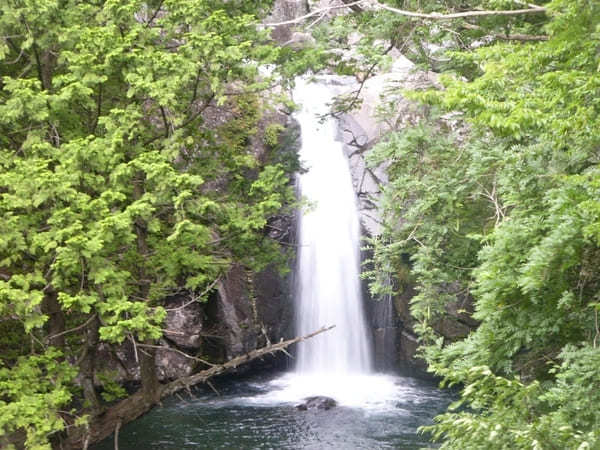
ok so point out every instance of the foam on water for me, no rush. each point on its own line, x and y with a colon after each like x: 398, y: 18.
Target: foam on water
x: 371, y: 392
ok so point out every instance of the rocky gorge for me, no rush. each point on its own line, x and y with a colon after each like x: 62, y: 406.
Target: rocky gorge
x: 380, y: 108
x: 247, y: 310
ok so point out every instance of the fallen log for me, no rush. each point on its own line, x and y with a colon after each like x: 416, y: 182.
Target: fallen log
x: 108, y: 422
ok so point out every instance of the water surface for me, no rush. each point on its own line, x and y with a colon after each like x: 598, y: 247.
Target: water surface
x: 259, y: 413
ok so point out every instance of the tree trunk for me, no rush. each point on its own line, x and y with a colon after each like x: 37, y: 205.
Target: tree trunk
x: 55, y: 326
x: 87, y: 365
x: 150, y: 382
x: 102, y: 426
x: 151, y: 386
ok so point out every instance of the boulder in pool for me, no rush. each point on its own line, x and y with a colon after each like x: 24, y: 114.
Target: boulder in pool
x: 317, y: 402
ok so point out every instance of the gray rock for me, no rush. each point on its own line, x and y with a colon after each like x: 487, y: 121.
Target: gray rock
x: 253, y: 309
x: 184, y: 322
x: 284, y: 10
x: 317, y: 402
x: 236, y: 311
x: 300, y: 40
x: 171, y: 364
x: 408, y: 350
x: 361, y: 129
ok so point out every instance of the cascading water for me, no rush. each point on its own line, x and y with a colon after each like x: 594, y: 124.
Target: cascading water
x: 337, y: 363
x: 328, y: 290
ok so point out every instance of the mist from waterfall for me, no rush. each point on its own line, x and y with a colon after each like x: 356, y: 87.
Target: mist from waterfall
x: 328, y: 290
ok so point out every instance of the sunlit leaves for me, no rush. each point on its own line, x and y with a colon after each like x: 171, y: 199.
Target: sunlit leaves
x: 127, y: 171
x: 29, y: 392
x: 531, y: 159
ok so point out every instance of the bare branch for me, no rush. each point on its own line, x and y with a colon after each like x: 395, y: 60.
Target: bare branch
x: 103, y: 425
x: 171, y: 349
x: 72, y: 330
x: 357, y: 6
x: 117, y: 428
x: 196, y: 297
x: 500, y: 211
x: 151, y: 19
x: 201, y: 377
x: 597, y: 327
x: 316, y: 12
x: 460, y: 15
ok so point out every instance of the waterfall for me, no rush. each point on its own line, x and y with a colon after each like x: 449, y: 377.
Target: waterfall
x: 328, y: 290
x: 337, y: 363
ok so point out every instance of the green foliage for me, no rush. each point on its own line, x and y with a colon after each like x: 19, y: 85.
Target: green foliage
x: 507, y: 218
x: 432, y: 215
x: 31, y: 393
x: 126, y: 173
x: 111, y: 390
x: 498, y: 412
x: 272, y: 132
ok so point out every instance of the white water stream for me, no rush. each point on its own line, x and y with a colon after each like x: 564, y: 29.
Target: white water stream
x: 337, y: 363
x: 328, y: 290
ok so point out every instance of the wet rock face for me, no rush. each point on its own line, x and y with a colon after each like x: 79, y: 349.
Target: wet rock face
x: 236, y: 312
x: 252, y: 310
x: 317, y: 402
x: 361, y: 129
x: 184, y: 322
x: 282, y: 11
x: 394, y: 341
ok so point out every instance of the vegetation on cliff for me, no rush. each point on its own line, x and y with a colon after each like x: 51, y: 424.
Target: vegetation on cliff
x: 502, y: 214
x: 127, y: 175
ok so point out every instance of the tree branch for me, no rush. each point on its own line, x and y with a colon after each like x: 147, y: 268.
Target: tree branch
x: 158, y: 8
x: 196, y: 297
x: 72, y: 330
x: 103, y: 425
x: 358, y: 6
x: 175, y: 350
x: 460, y: 15
x: 117, y: 428
x: 316, y: 12
x: 204, y: 375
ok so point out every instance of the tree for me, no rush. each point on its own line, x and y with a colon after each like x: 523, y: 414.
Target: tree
x: 507, y: 218
x: 126, y: 176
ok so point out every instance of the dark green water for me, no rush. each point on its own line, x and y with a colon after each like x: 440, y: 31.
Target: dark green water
x: 257, y: 413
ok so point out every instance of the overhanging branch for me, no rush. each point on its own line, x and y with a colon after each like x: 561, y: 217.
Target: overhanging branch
x: 316, y: 12
x: 460, y: 15
x: 103, y: 425
x: 362, y: 5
